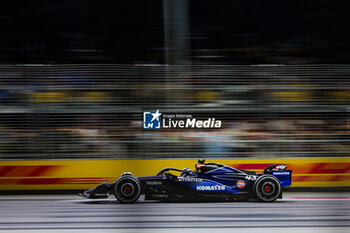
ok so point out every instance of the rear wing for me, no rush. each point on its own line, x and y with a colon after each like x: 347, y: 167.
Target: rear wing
x: 280, y: 172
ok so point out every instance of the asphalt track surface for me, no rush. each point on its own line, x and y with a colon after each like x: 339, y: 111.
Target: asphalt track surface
x: 297, y: 212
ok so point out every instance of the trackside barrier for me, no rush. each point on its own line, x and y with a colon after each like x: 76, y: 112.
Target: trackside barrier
x: 83, y: 174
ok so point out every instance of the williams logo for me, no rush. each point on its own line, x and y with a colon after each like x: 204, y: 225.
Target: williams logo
x: 157, y: 120
x: 151, y: 120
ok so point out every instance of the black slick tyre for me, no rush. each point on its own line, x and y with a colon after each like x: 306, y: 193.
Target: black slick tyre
x: 127, y: 189
x: 267, y: 188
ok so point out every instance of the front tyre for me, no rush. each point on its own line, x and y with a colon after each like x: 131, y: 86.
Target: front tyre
x: 127, y: 189
x: 267, y: 188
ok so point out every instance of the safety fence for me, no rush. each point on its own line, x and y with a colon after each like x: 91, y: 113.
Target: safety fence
x: 71, y: 111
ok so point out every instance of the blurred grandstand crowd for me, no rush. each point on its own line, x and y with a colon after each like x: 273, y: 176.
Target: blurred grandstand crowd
x: 56, y: 102
x: 79, y: 111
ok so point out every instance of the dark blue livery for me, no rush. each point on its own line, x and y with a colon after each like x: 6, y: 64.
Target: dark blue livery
x: 209, y: 182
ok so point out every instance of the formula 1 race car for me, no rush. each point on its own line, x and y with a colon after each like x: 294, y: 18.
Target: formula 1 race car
x: 210, y: 182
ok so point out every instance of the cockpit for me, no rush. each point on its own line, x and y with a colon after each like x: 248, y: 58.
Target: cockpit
x: 202, y: 167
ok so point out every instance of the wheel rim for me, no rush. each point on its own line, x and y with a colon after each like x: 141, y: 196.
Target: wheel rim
x: 127, y: 189
x: 268, y: 188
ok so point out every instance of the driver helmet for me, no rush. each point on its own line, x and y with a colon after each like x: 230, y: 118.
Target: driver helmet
x: 199, y: 164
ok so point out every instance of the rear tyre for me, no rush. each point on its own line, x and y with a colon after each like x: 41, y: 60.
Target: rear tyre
x: 267, y: 188
x: 127, y: 189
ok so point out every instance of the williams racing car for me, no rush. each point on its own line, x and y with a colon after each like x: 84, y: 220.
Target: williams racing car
x: 209, y: 182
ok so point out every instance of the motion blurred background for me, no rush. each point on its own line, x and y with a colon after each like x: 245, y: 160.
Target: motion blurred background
x: 75, y: 77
